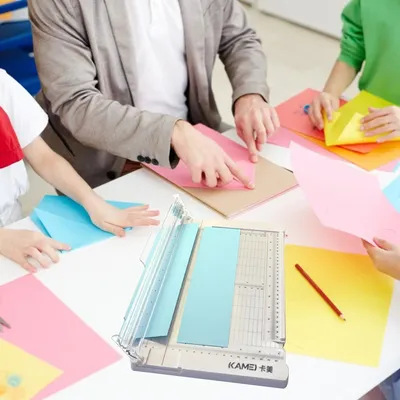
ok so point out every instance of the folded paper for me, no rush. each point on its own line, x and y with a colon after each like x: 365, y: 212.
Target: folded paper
x: 344, y: 197
x: 66, y: 221
x: 344, y: 129
x: 293, y: 116
x: 362, y: 294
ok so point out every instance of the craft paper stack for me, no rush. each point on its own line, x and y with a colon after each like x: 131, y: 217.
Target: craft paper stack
x: 342, y: 136
x: 66, y: 221
x: 270, y: 180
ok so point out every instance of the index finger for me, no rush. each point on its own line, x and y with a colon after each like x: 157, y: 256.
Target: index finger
x: 239, y: 174
x: 326, y: 104
x: 316, y: 112
x: 248, y: 137
x: 379, y: 112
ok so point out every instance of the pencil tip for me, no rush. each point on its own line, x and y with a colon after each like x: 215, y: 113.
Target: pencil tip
x: 343, y: 318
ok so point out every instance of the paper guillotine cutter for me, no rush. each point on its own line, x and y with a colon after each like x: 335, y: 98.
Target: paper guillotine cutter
x: 255, y: 353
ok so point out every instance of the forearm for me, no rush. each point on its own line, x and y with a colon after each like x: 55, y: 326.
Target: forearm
x: 56, y: 171
x: 241, y: 53
x: 340, y: 78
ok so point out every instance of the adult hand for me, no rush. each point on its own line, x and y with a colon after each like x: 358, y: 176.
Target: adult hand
x: 255, y: 120
x: 18, y: 245
x: 382, y: 121
x: 386, y: 257
x: 206, y: 161
x: 323, y: 102
x: 114, y: 220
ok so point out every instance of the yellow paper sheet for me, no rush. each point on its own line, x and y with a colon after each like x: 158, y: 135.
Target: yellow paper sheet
x: 22, y: 375
x: 6, y: 16
x: 361, y: 293
x: 345, y: 126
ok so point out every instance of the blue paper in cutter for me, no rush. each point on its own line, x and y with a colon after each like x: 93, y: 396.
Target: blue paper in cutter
x: 208, y: 309
x: 211, y: 297
x: 158, y: 321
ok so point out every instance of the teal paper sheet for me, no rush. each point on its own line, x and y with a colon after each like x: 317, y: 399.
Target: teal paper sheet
x: 207, y: 315
x: 392, y: 192
x: 64, y: 220
x: 160, y: 321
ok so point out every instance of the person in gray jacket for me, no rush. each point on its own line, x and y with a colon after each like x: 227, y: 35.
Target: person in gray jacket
x: 123, y: 81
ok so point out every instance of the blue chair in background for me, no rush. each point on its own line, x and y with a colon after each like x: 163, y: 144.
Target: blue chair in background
x: 16, y: 48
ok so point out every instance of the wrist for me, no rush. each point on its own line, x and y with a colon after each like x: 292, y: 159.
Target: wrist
x: 178, y: 133
x: 3, y: 233
x: 250, y: 99
x: 90, y: 201
x: 335, y: 92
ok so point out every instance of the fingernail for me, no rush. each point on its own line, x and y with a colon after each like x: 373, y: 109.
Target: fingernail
x: 251, y: 185
x: 253, y: 158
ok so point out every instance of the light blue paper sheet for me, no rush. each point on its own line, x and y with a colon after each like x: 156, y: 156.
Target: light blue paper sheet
x: 66, y: 221
x: 392, y: 192
x: 160, y: 320
x: 207, y: 316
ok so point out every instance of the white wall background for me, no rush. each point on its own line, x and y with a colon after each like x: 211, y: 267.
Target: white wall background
x: 319, y: 15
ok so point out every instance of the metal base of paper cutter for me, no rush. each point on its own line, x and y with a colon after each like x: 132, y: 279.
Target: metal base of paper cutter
x: 255, y: 354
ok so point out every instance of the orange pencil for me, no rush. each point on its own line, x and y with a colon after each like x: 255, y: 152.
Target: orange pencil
x: 320, y: 292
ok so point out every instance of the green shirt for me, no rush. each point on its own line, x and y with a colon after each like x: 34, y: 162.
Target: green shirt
x: 371, y: 39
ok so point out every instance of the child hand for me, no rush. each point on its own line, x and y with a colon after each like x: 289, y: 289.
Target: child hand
x: 323, y: 102
x: 382, y: 120
x: 386, y: 257
x: 114, y: 220
x: 17, y: 245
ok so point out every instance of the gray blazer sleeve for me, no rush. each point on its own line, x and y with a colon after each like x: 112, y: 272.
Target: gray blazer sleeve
x: 241, y: 52
x: 68, y: 77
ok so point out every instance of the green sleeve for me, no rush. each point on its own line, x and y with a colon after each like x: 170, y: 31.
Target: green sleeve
x: 352, y: 44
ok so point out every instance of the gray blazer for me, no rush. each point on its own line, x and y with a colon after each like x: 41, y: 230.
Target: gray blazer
x: 83, y: 51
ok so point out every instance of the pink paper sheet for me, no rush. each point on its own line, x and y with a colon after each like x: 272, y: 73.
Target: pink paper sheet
x: 292, y: 116
x: 43, y: 326
x: 344, y: 197
x: 180, y: 176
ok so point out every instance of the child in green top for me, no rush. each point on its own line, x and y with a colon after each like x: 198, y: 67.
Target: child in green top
x: 371, y: 43
x: 370, y: 40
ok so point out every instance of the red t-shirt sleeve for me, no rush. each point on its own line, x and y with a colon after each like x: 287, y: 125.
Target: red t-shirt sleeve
x: 10, y: 149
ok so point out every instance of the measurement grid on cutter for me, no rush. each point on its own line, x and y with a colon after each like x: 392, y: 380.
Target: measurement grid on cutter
x: 248, y: 314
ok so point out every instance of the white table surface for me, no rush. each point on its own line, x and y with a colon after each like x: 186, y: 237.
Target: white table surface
x: 97, y: 283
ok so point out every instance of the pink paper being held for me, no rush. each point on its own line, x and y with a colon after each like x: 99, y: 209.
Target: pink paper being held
x: 345, y: 197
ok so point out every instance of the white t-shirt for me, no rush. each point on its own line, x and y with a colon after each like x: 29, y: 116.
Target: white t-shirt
x: 161, y: 72
x: 22, y: 120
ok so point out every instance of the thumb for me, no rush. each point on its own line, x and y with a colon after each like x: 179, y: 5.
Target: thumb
x: 367, y: 245
x: 383, y: 244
